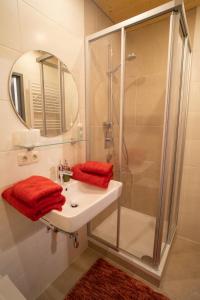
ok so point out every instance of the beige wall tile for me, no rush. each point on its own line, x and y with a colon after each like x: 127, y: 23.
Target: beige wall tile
x: 145, y: 199
x: 192, y: 150
x: 130, y: 100
x: 189, y: 225
x: 97, y: 143
x: 150, y: 101
x: 193, y: 123
x: 95, y: 19
x: 149, y: 43
x: 191, y: 19
x: 189, y: 222
x: 195, y: 72
x: 196, y: 26
x: 143, y: 143
x: 194, y: 97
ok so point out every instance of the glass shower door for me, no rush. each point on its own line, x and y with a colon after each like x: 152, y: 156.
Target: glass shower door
x: 181, y: 142
x: 144, y: 104
x: 103, y: 122
x: 173, y: 130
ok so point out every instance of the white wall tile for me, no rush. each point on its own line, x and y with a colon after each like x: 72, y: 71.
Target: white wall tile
x: 48, y: 36
x: 7, y: 59
x: 9, y: 124
x: 9, y: 29
x: 71, y: 11
x: 49, y: 160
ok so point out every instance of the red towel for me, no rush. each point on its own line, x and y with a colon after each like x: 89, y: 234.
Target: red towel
x: 100, y: 181
x: 54, y: 201
x: 34, y: 189
x: 98, y: 168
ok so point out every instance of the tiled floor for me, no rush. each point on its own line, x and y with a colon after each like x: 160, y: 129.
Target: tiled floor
x: 181, y: 280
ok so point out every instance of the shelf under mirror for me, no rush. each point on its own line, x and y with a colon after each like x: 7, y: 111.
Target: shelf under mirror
x: 71, y: 141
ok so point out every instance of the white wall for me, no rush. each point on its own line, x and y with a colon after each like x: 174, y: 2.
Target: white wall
x: 30, y: 256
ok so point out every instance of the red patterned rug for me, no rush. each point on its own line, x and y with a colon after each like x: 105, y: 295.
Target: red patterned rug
x: 105, y: 282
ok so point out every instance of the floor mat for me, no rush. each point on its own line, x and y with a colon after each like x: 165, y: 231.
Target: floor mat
x: 106, y: 282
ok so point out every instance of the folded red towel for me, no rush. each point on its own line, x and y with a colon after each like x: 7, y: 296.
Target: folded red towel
x: 54, y: 201
x: 34, y: 189
x: 100, y: 181
x: 98, y: 168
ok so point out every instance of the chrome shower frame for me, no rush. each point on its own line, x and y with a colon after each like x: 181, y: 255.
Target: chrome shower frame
x: 175, y: 8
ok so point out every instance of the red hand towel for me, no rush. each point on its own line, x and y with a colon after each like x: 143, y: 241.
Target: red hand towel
x: 98, y: 168
x: 55, y: 201
x: 100, y: 181
x: 34, y: 189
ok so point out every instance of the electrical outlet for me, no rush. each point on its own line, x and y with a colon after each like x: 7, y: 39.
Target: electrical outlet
x: 23, y: 158
x: 34, y: 156
x: 27, y: 157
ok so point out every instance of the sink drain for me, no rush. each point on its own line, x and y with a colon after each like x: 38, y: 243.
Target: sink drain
x: 74, y: 205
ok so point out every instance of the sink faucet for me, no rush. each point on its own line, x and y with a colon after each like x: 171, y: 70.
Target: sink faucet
x: 64, y: 172
x: 65, y: 176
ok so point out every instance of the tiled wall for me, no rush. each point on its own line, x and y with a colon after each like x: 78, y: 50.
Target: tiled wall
x: 189, y: 221
x: 29, y: 255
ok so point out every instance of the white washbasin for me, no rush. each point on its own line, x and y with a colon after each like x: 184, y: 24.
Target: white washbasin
x: 91, y: 201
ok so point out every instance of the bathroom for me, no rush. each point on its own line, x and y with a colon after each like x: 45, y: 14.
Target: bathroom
x: 116, y: 57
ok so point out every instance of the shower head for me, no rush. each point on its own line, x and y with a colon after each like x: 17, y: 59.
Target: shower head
x: 131, y: 56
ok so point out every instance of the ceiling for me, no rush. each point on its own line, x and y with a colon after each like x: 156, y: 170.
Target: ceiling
x: 119, y: 10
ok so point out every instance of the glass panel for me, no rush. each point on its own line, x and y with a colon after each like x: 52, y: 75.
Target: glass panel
x: 180, y: 146
x: 145, y: 86
x: 173, y: 123
x: 103, y: 119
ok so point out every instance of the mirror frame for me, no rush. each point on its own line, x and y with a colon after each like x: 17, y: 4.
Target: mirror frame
x: 13, y: 106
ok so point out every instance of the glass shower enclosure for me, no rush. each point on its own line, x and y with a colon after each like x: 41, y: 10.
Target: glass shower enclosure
x: 137, y: 78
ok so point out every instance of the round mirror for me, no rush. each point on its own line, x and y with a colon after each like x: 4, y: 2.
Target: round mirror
x: 43, y: 93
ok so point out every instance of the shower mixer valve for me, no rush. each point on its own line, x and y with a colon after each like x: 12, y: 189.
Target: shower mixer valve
x: 108, y: 134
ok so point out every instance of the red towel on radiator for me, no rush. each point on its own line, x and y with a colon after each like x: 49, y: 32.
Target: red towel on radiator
x: 98, y: 168
x: 55, y: 201
x: 100, y: 181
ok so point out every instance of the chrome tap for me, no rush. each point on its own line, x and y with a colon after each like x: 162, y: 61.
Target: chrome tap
x: 64, y: 171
